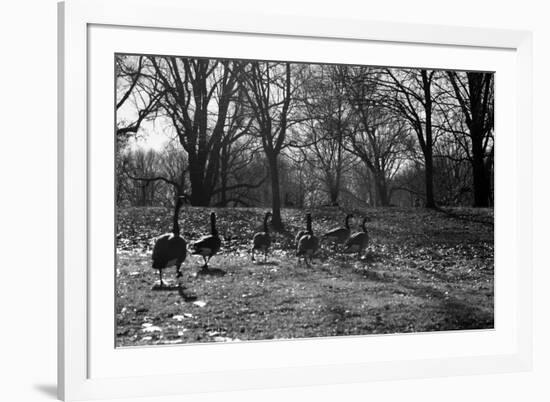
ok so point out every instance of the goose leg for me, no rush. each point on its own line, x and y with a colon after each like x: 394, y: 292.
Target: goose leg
x: 178, y: 271
x: 161, y: 283
x: 253, y: 254
x: 207, y: 260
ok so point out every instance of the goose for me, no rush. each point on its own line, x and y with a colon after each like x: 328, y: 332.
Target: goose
x: 208, y: 246
x: 308, y: 243
x: 262, y: 240
x: 358, y: 241
x: 340, y: 234
x: 170, y: 248
x: 301, y: 232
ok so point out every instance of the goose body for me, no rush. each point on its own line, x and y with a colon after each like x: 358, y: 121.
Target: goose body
x: 299, y: 236
x: 262, y: 240
x: 308, y: 244
x: 340, y: 234
x: 358, y: 242
x: 208, y: 246
x: 170, y: 249
x: 168, y: 252
x: 302, y: 232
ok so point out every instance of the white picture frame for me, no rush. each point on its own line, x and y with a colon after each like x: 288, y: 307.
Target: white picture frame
x: 88, y: 367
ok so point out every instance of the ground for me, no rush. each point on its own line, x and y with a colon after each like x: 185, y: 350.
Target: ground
x: 425, y: 270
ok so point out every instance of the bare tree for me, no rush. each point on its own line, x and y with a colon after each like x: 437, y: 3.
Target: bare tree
x: 327, y: 114
x: 414, y: 100
x: 237, y: 154
x: 196, y: 98
x: 269, y: 94
x: 379, y: 138
x: 139, y: 104
x: 322, y: 131
x: 141, y: 167
x: 474, y: 93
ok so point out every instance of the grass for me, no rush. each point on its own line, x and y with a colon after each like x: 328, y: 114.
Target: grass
x: 424, y: 271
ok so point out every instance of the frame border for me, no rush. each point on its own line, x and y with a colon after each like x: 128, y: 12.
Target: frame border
x: 74, y: 16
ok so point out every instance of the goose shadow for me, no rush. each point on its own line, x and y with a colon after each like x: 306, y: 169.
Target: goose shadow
x: 187, y: 297
x: 211, y: 272
x: 166, y: 287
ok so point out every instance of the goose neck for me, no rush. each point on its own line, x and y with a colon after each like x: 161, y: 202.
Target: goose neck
x: 213, y: 229
x: 175, y: 223
x: 308, y: 225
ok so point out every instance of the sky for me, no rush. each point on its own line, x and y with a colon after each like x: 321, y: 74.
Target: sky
x: 152, y: 134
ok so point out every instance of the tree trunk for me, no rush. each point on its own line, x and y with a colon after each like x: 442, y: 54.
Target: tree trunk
x: 480, y: 178
x: 476, y: 105
x: 333, y: 189
x: 334, y: 192
x: 276, y: 220
x: 224, y: 173
x: 200, y: 193
x: 489, y: 177
x: 428, y: 148
x: 429, y: 175
x: 223, y: 193
x: 381, y: 190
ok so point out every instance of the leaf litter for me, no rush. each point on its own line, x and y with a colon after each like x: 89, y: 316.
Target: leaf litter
x: 424, y: 271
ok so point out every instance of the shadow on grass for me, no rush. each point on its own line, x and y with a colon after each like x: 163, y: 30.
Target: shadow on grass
x: 368, y: 257
x: 175, y: 287
x: 211, y: 272
x: 166, y: 287
x: 466, y: 315
x: 264, y: 263
x: 458, y: 313
x: 467, y: 218
x: 372, y: 257
x: 187, y: 297
x: 372, y: 275
x: 434, y: 273
x: 338, y: 315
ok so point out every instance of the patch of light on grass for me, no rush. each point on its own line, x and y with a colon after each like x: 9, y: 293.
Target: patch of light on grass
x: 181, y: 317
x: 151, y: 328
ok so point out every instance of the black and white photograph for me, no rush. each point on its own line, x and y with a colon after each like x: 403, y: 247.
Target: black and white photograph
x: 275, y: 200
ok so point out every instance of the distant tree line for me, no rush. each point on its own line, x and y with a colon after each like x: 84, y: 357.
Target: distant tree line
x: 279, y: 134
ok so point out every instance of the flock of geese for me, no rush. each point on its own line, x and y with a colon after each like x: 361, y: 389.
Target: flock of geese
x: 170, y: 249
